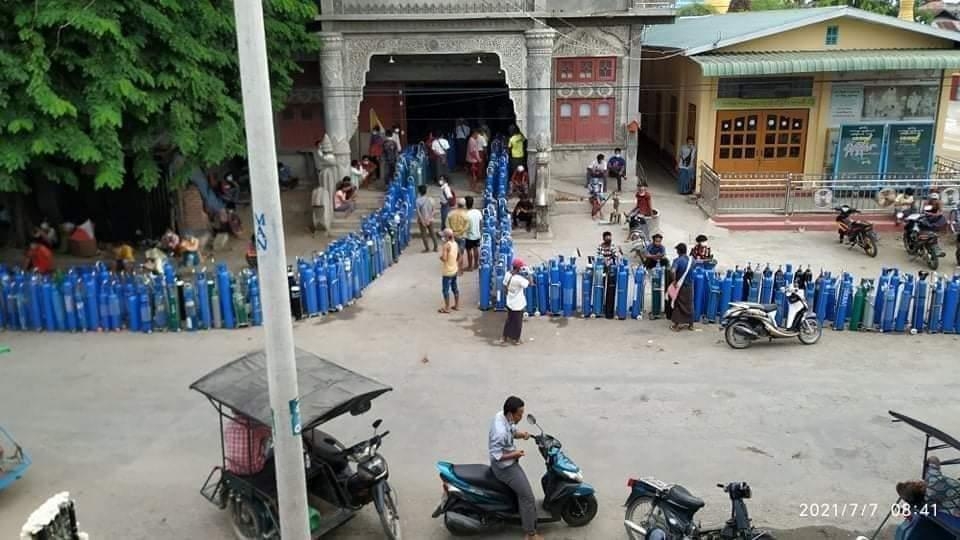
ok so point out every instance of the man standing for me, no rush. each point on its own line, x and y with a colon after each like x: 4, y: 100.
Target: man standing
x: 439, y: 148
x: 617, y: 168
x: 391, y: 152
x: 425, y: 218
x: 460, y: 134
x: 515, y: 144
x: 474, y: 161
x: 505, y: 462
x: 687, y: 167
x: 610, y: 255
x: 457, y: 221
x: 474, y: 219
x: 447, y: 199
x: 450, y: 269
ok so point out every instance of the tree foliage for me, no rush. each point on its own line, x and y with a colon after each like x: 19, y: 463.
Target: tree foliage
x: 695, y: 10
x: 95, y: 87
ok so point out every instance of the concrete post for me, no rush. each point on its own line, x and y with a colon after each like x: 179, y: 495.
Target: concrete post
x: 631, y: 84
x: 539, y: 109
x: 335, y: 121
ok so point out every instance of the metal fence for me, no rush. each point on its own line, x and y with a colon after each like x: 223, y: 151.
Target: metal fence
x: 760, y: 193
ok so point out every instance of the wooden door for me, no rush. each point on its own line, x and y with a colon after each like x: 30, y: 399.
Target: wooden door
x: 761, y: 141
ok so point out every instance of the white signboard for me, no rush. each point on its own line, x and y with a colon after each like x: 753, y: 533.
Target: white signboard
x: 846, y: 104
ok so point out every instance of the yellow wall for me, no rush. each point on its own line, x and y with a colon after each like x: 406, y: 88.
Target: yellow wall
x: 853, y: 34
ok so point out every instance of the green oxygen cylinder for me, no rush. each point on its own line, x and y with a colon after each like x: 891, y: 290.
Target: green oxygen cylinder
x: 173, y: 302
x: 859, y: 299
x: 239, y: 305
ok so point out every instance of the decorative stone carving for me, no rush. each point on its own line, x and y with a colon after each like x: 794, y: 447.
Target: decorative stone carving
x: 327, y: 171
x: 543, y: 142
x: 589, y: 42
x: 359, y: 49
x: 448, y: 7
x: 335, y: 120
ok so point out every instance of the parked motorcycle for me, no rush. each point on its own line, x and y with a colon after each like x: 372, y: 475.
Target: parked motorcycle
x: 746, y: 322
x: 660, y: 511
x: 856, y: 232
x: 920, y: 237
x: 474, y: 501
x: 638, y: 235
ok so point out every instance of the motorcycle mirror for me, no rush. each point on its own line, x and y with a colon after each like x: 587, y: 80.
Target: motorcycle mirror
x: 532, y: 419
x: 377, y: 422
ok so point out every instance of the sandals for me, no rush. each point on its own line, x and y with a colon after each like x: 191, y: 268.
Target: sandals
x: 443, y: 311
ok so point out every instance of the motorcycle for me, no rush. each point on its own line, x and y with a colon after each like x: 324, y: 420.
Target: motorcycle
x: 746, y: 322
x: 474, y: 501
x: 920, y: 237
x: 660, y: 511
x: 638, y: 235
x: 859, y: 233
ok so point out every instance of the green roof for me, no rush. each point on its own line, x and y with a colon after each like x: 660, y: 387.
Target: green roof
x: 775, y: 63
x: 696, y: 35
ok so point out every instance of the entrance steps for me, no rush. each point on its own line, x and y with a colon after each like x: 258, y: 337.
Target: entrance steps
x: 882, y: 223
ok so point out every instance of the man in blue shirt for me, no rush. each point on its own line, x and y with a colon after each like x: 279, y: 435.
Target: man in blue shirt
x: 617, y: 168
x: 655, y: 254
x: 505, y: 462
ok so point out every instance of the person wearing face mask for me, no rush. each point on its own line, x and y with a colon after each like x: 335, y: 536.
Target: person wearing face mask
x: 610, y: 255
x: 617, y: 168
x: 505, y: 462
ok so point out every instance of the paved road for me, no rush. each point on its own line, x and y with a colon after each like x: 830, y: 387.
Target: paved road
x: 109, y: 417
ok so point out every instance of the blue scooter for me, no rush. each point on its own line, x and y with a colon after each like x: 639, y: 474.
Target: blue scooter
x: 474, y: 501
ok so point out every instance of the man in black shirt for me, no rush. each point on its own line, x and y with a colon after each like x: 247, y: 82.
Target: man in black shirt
x: 610, y: 255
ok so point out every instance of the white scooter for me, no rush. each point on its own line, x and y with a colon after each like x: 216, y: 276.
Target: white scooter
x: 746, y: 322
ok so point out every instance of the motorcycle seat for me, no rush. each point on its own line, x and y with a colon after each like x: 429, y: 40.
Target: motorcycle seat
x: 480, y: 476
x: 767, y: 308
x: 679, y: 496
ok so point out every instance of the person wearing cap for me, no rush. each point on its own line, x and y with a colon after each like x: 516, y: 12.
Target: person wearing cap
x: 516, y: 281
x: 519, y: 181
x: 655, y: 253
x: 459, y: 224
x: 450, y: 269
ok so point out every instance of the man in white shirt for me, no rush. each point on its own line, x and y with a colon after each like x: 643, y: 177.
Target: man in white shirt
x: 439, y: 150
x: 461, y: 132
x: 474, y: 220
x: 447, y: 199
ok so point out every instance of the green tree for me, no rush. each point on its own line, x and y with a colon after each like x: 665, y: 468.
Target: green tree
x: 882, y: 7
x: 695, y: 10
x: 96, y: 86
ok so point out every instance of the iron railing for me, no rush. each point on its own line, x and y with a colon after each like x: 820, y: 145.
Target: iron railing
x: 434, y: 7
x: 762, y: 193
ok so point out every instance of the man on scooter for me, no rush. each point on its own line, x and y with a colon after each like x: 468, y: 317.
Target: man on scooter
x: 505, y: 462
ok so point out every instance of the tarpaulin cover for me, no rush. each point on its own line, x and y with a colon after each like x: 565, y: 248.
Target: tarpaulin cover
x: 327, y: 390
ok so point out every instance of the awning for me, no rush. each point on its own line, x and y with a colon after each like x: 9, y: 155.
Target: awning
x: 787, y: 62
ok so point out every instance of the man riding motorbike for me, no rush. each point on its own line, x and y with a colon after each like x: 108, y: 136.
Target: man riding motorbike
x: 505, y: 462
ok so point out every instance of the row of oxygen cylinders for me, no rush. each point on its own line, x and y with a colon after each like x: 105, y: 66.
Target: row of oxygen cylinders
x: 496, y: 241
x: 894, y: 302
x: 92, y: 298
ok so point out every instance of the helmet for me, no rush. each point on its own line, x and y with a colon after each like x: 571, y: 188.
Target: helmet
x: 519, y: 168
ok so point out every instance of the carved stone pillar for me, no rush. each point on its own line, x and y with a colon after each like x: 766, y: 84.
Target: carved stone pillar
x: 335, y: 121
x: 632, y: 94
x: 539, y: 83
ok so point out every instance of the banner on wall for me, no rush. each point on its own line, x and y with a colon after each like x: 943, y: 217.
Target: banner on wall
x: 860, y: 150
x: 846, y: 104
x: 909, y: 149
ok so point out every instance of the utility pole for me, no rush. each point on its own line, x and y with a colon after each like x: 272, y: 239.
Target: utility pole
x: 272, y: 265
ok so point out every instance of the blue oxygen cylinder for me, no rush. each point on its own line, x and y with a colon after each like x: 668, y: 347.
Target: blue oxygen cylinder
x: 639, y: 289
x: 713, y: 300
x: 843, y: 302
x: 36, y: 303
x: 623, y: 284
x: 904, y: 305
x: 809, y: 292
x: 530, y: 293
x: 189, y: 306
x: 556, y: 291
x: 146, y: 315
x: 159, y: 304
x: 782, y: 279
x: 820, y: 300
x: 226, y: 296
x: 132, y: 301
x: 486, y: 275
x: 766, y: 284
x: 586, y: 291
x: 49, y: 320
x: 726, y: 293
x: 59, y: 314
x: 80, y: 298
x: 569, y: 283
x: 499, y: 274
x: 736, y: 294
x: 754, y: 289
x: 920, y: 304
x: 90, y: 302
x: 936, y: 307
x: 103, y: 305
x: 830, y: 295
x: 889, y: 307
x: 951, y: 296
x: 8, y: 289
x: 308, y: 282
x: 323, y: 288
x: 203, y: 301
x: 23, y: 303
x: 69, y: 301
x: 543, y: 290
x: 780, y: 298
x: 114, y: 319
x: 574, y: 284
x: 878, y: 308
x: 256, y: 306
x: 345, y: 276
x: 333, y: 282
x: 599, y: 282
x: 699, y: 290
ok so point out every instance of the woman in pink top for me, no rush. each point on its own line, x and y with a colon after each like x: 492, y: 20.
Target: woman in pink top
x: 473, y: 159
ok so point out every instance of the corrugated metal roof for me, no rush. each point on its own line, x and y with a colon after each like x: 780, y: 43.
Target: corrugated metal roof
x: 776, y: 63
x: 695, y: 35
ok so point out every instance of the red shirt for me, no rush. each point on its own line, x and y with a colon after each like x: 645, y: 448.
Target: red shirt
x: 41, y: 258
x: 644, y: 204
x: 245, y: 447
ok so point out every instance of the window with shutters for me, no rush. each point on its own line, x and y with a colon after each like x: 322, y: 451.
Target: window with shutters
x: 565, y: 69
x: 586, y: 69
x: 584, y: 121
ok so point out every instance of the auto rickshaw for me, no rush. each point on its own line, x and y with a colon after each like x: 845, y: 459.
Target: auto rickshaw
x: 924, y: 521
x: 340, y: 480
x: 14, y: 462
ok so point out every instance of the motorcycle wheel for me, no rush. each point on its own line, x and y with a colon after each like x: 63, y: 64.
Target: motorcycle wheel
x: 385, y: 500
x: 643, y: 512
x: 869, y: 246
x: 246, y: 520
x: 578, y: 511
x: 810, y: 331
x: 932, y: 258
x: 737, y: 340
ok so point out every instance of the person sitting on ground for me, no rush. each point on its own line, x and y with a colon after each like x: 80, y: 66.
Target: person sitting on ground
x: 519, y: 181
x: 655, y: 254
x: 39, y: 256
x: 343, y: 199
x: 938, y: 492
x: 246, y: 445
x: 701, y: 252
x: 524, y: 212
x: 644, y: 205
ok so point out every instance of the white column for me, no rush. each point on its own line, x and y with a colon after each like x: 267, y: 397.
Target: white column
x: 539, y: 114
x: 631, y: 83
x: 335, y: 119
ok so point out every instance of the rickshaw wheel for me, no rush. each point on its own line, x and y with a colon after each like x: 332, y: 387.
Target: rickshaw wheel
x: 246, y: 519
